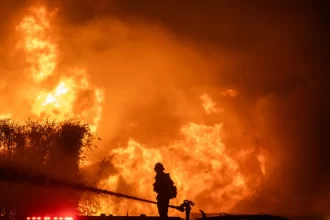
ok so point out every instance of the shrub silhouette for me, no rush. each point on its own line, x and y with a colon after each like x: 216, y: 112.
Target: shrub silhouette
x: 54, y: 148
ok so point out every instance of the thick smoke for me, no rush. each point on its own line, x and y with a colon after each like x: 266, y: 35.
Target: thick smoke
x: 156, y: 59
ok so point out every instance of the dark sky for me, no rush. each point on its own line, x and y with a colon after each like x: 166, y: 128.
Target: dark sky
x: 286, y: 43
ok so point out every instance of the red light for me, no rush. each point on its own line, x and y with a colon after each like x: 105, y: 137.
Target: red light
x: 49, y: 218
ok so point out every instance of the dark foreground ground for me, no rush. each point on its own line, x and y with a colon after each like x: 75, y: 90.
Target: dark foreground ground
x: 312, y: 216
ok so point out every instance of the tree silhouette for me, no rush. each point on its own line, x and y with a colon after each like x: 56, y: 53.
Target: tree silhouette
x: 54, y: 148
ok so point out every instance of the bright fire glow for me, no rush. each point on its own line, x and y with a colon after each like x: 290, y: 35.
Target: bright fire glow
x: 59, y: 102
x: 48, y: 218
x: 3, y: 116
x: 230, y: 92
x: 42, y: 51
x: 185, y: 159
x: 200, y: 164
x: 208, y: 105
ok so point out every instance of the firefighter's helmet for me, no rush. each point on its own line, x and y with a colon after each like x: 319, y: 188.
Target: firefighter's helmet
x: 159, y: 167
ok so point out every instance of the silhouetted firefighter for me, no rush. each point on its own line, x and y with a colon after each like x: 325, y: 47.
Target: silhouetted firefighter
x: 165, y: 189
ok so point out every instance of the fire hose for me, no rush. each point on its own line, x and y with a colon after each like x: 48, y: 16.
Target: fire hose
x: 19, y: 176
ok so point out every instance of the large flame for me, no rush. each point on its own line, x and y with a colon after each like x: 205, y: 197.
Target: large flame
x: 59, y: 102
x: 38, y: 43
x: 199, y: 163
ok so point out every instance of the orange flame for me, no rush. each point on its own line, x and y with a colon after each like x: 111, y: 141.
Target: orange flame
x: 59, y: 103
x: 198, y: 164
x: 42, y: 50
x: 230, y: 92
x: 208, y: 105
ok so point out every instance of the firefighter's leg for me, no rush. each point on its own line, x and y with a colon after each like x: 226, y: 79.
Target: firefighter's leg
x: 163, y: 207
x: 159, y: 207
x: 166, y: 202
